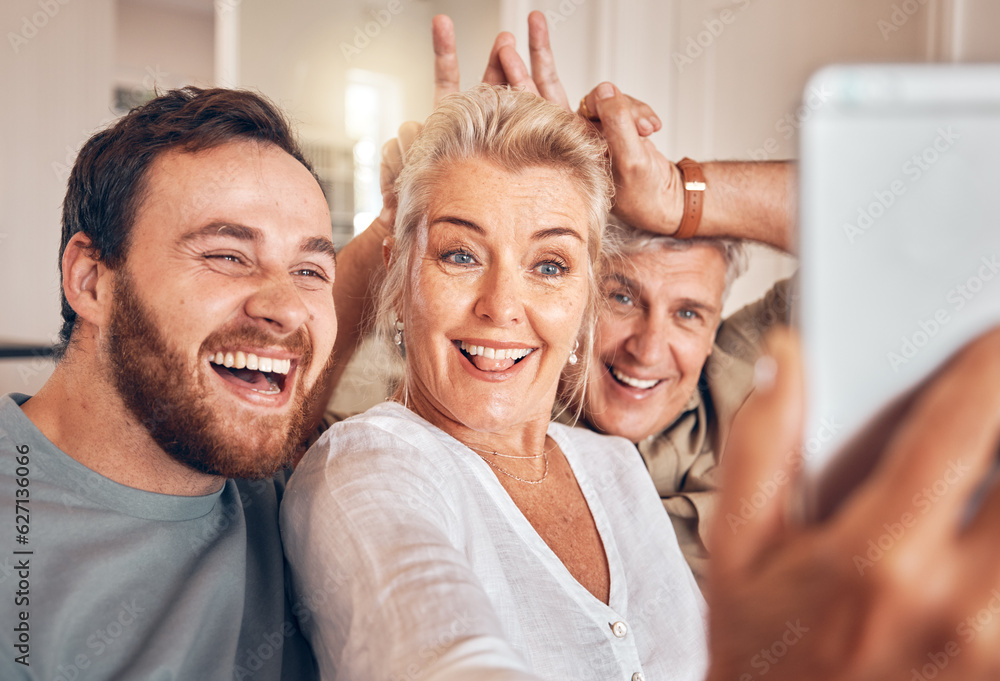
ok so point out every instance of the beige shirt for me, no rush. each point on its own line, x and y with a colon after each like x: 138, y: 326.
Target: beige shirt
x: 683, y: 459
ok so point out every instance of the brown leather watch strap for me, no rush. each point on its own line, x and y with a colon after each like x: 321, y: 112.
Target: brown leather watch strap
x: 694, y: 195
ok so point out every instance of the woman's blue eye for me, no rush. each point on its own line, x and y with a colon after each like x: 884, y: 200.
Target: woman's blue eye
x: 460, y: 258
x: 549, y: 269
x: 621, y: 298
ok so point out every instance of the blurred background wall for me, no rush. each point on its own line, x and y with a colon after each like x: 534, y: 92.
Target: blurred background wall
x: 726, y: 76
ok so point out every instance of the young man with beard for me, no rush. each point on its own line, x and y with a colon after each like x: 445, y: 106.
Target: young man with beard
x: 197, y: 271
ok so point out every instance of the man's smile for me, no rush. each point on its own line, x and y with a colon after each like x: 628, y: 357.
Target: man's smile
x: 632, y: 381
x: 260, y: 373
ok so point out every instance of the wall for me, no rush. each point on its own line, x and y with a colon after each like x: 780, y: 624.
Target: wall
x: 61, y: 68
x: 150, y: 39
x: 311, y: 45
x: 55, y: 73
x: 975, y: 30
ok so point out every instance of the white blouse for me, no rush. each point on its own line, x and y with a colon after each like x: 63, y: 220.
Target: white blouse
x: 410, y: 561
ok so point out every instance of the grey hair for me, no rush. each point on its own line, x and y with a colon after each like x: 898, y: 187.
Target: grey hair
x: 515, y: 130
x: 624, y: 240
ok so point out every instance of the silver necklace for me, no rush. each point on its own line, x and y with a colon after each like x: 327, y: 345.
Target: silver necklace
x: 495, y: 467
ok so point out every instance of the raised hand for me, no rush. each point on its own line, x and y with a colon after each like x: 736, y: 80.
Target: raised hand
x: 505, y: 66
x: 649, y: 192
x: 815, y: 601
x: 393, y: 153
x: 446, y: 73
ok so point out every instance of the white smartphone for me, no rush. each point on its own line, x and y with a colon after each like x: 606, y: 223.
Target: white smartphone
x: 900, y: 249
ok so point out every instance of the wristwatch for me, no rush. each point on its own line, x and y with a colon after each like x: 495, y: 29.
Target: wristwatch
x: 694, y: 193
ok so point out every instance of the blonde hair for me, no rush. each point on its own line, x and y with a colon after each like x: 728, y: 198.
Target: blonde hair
x: 514, y: 130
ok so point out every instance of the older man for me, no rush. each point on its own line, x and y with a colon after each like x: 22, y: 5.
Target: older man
x: 669, y: 374
x: 197, y: 269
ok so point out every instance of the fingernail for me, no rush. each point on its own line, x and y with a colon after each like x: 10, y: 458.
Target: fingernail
x: 605, y: 91
x: 765, y: 371
x: 644, y: 125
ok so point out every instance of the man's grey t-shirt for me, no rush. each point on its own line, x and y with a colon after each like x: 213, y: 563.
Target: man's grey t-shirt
x: 103, y: 581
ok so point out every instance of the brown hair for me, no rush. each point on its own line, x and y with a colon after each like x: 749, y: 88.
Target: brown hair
x: 107, y: 185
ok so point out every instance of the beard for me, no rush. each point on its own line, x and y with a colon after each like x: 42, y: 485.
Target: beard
x: 172, y: 400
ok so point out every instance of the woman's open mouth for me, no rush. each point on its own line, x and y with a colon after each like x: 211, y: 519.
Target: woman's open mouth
x: 486, y: 358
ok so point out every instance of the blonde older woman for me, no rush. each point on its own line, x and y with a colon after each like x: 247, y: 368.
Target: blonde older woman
x: 455, y: 532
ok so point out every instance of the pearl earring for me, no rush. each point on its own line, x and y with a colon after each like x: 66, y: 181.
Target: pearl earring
x: 398, y: 340
x: 572, y: 356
